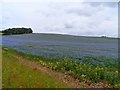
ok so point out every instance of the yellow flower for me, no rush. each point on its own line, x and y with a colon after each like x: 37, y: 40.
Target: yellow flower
x: 116, y: 71
x: 96, y: 68
x: 101, y: 68
x: 83, y: 75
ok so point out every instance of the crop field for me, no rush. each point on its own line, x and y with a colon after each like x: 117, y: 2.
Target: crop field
x: 93, y: 58
x: 59, y: 46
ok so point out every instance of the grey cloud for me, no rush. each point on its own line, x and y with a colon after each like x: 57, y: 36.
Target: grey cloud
x: 111, y: 4
x: 83, y: 9
x: 106, y: 4
x: 68, y: 26
x: 79, y: 12
x: 95, y: 4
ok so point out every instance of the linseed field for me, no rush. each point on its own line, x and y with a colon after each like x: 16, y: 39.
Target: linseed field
x: 85, y: 58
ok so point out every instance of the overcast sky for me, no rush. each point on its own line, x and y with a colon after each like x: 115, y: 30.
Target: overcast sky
x: 75, y: 18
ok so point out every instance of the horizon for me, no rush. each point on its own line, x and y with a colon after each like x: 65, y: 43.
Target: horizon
x: 65, y: 34
x: 77, y: 18
x: 105, y: 36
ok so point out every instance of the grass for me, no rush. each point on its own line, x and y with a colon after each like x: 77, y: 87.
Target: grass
x: 17, y: 75
x: 85, y: 72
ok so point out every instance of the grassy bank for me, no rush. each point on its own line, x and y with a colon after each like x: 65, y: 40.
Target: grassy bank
x: 83, y: 72
x: 17, y: 75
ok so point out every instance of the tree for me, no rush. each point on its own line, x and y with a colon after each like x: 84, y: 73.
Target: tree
x: 12, y: 31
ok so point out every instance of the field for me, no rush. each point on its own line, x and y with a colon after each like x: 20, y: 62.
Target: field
x: 17, y: 74
x: 85, y: 58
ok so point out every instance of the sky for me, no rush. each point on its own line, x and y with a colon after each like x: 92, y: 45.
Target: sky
x: 71, y: 17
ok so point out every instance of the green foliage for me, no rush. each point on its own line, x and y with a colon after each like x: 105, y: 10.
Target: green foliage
x: 12, y: 31
x: 82, y: 71
x: 18, y: 75
x: 85, y: 71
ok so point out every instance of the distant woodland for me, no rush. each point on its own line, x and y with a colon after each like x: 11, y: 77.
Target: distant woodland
x: 13, y: 31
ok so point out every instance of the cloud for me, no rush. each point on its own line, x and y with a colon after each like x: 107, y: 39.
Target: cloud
x: 84, y: 9
x: 42, y: 1
x: 60, y: 0
x: 109, y: 4
x: 0, y: 14
x: 65, y: 17
x: 101, y: 0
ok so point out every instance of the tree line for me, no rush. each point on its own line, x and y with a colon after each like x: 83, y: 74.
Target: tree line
x: 12, y: 31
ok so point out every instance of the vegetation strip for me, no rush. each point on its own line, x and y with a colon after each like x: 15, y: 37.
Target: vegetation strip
x: 83, y: 72
x: 18, y: 75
